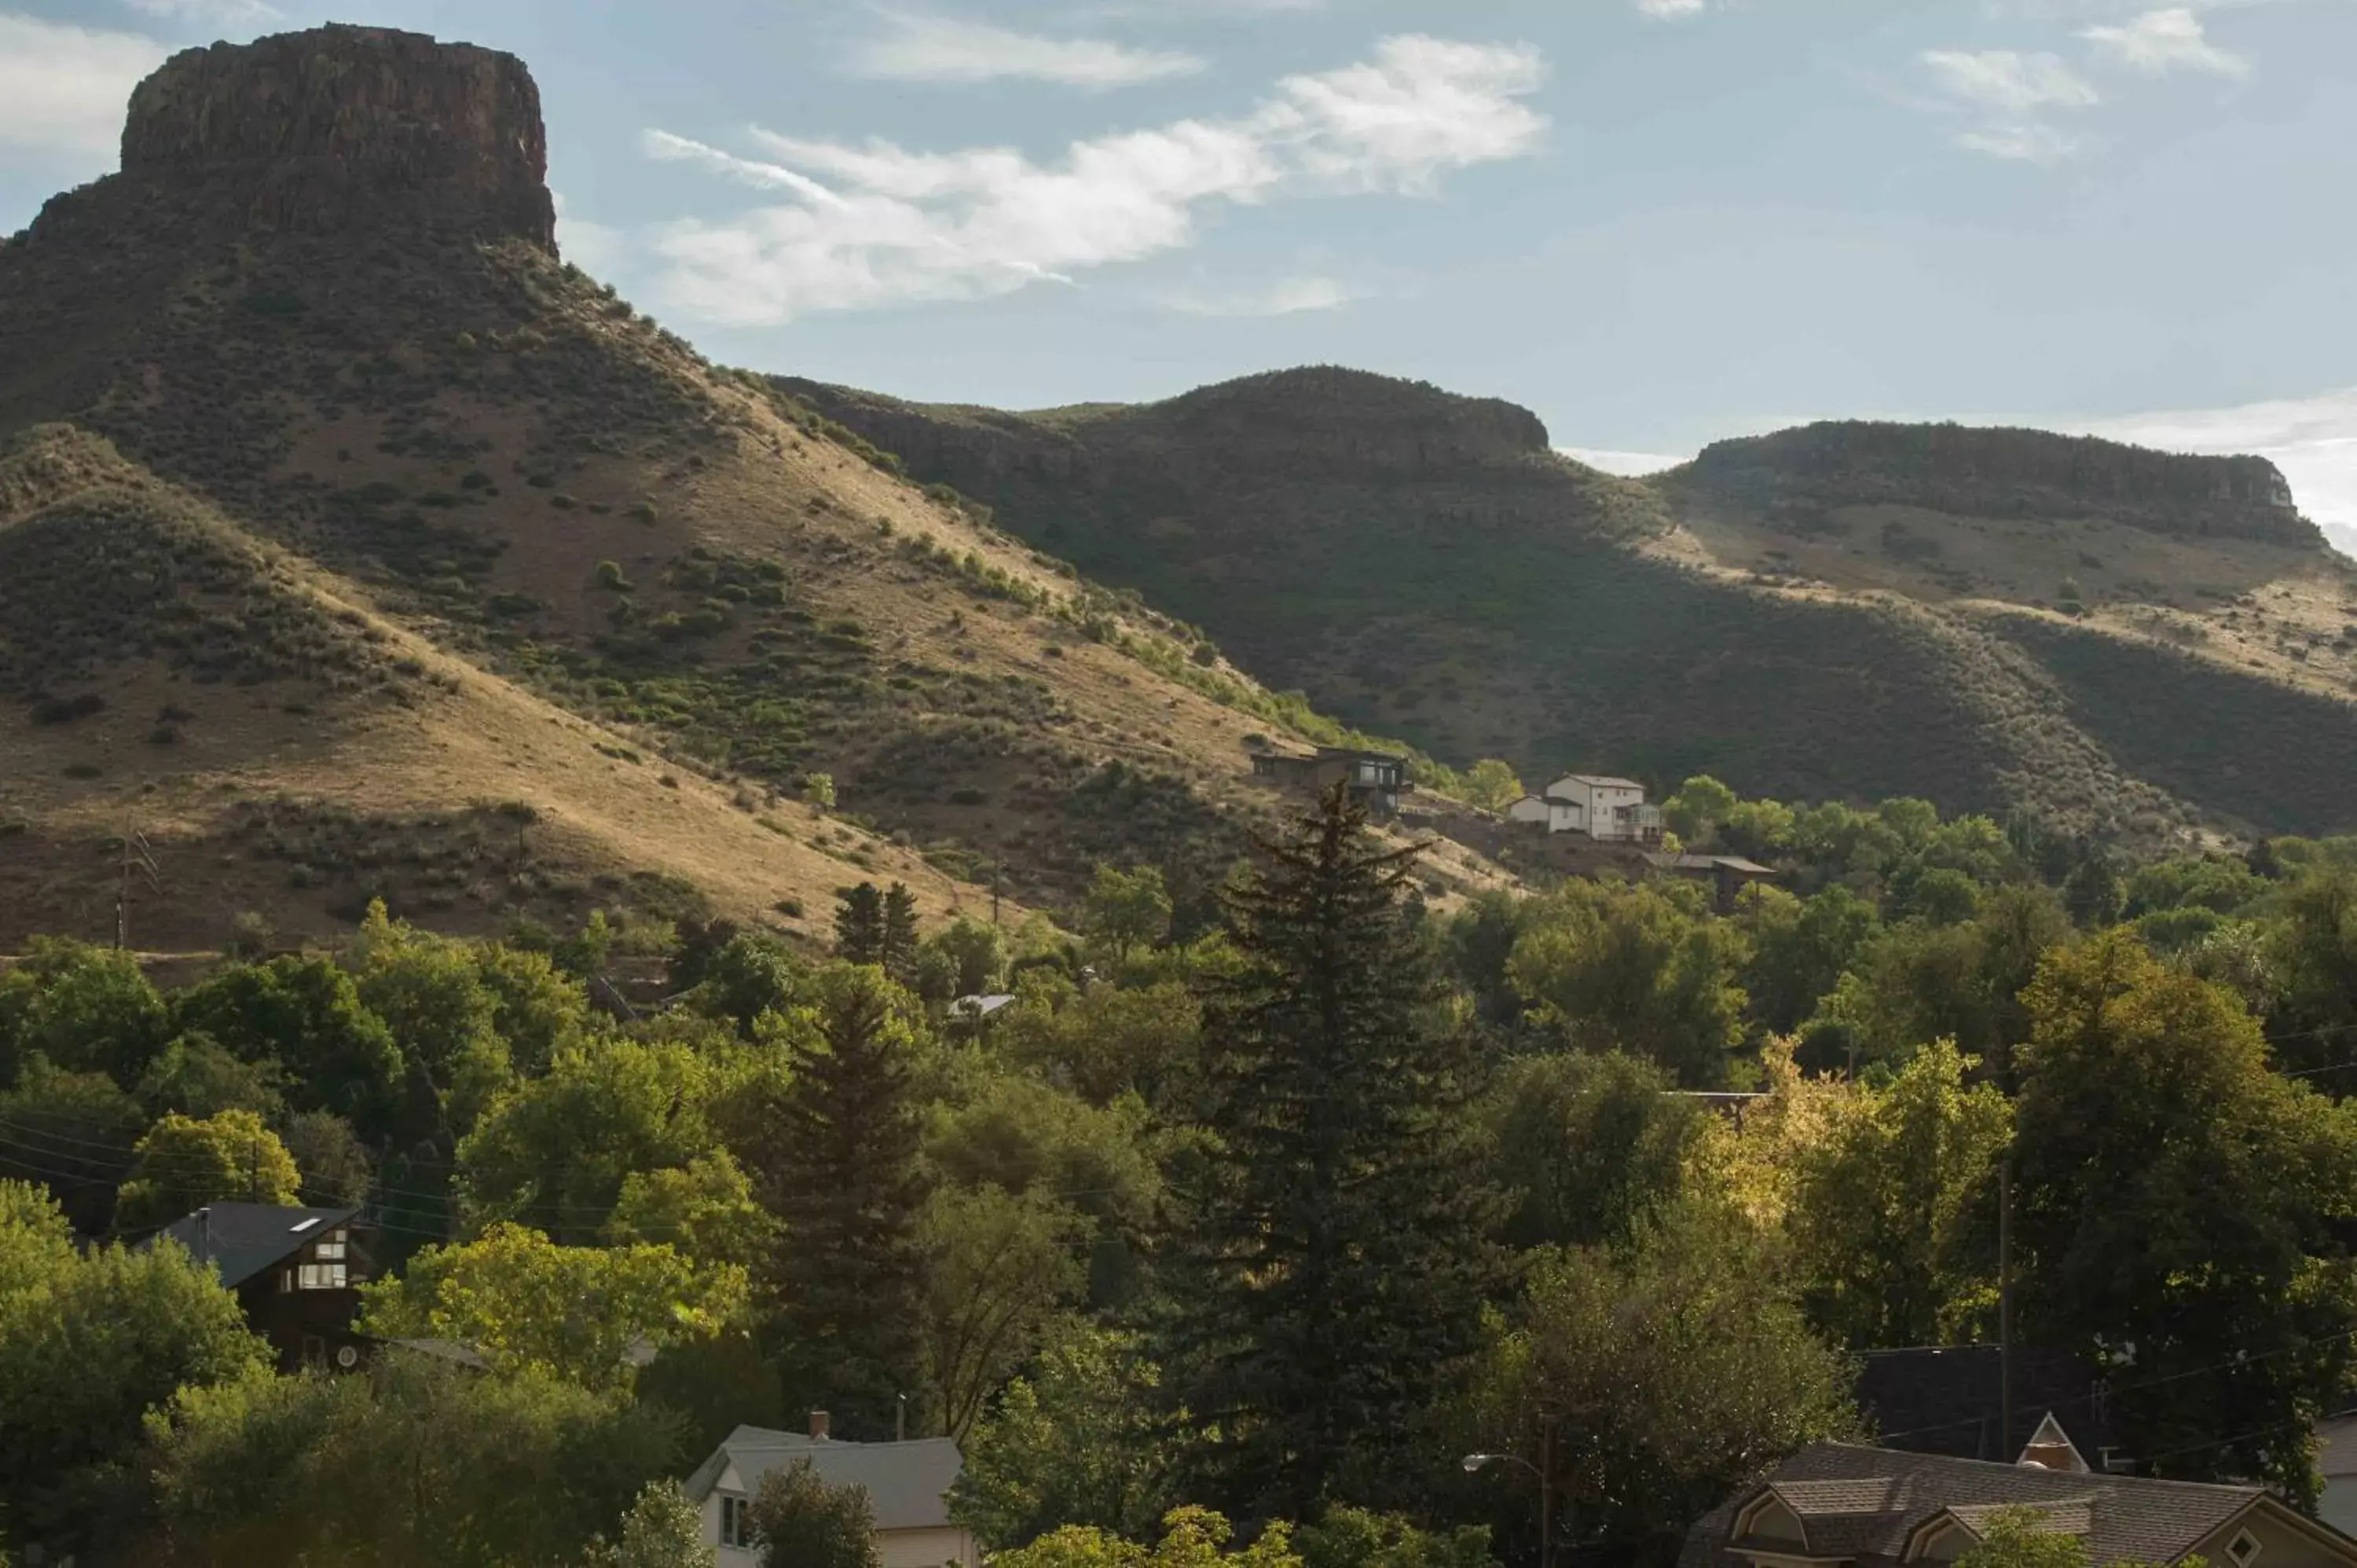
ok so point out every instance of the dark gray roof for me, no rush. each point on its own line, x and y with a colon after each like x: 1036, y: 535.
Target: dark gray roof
x: 907, y: 1483
x: 1864, y: 1503
x: 1599, y: 781
x: 1734, y: 863
x: 243, y: 1239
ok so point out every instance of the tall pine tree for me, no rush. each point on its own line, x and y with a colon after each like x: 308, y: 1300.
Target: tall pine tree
x: 899, y: 955
x: 840, y: 1167
x: 1331, y: 1265
x: 859, y: 924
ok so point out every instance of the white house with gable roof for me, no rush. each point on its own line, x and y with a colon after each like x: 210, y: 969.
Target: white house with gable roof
x: 907, y: 1485
x: 1603, y: 806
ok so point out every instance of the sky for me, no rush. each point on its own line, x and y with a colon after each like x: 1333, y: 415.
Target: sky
x: 1654, y: 222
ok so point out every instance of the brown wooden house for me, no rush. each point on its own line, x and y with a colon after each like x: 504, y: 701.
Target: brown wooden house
x: 295, y: 1271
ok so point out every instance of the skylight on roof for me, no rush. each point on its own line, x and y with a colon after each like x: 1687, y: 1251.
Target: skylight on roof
x: 302, y: 1225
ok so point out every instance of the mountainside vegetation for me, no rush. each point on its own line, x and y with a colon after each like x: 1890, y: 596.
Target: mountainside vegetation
x: 1149, y: 1241
x: 233, y: 388
x: 1848, y: 611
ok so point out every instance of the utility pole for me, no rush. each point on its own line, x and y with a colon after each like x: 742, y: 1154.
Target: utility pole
x: 135, y: 857
x: 2005, y: 1309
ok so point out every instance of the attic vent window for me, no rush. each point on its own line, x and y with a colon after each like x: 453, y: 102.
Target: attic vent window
x: 2244, y: 1549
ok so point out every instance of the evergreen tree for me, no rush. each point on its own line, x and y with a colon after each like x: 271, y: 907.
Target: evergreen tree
x: 840, y: 1169
x: 859, y: 924
x: 1330, y: 1269
x: 898, y: 953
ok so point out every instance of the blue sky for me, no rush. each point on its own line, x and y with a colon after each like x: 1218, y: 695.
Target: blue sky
x: 1654, y: 221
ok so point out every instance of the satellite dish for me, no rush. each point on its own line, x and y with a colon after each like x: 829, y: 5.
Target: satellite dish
x: 347, y: 1357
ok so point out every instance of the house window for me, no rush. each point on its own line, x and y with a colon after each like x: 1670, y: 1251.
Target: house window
x: 320, y: 1276
x: 2244, y: 1549
x: 735, y: 1525
x: 330, y: 1249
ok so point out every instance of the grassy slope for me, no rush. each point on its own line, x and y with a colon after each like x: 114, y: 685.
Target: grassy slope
x: 287, y: 751
x: 460, y: 439
x: 1517, y: 604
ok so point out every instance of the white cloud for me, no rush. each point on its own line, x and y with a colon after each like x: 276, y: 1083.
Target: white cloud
x: 595, y: 248
x: 1668, y: 8
x: 218, y: 13
x: 942, y: 49
x: 2313, y: 440
x: 2161, y: 41
x: 2004, y: 82
x: 1629, y: 464
x: 875, y: 223
x: 2011, y: 91
x: 63, y: 89
x: 1287, y: 297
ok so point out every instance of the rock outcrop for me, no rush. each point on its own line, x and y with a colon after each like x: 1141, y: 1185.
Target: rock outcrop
x: 344, y: 127
x: 2003, y: 473
x: 1319, y: 420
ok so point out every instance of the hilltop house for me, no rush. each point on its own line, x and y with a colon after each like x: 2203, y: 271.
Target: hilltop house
x: 294, y: 1271
x: 1609, y: 810
x: 1835, y: 1505
x: 907, y: 1484
x: 1377, y: 778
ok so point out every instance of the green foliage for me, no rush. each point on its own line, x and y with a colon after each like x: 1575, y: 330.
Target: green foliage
x: 306, y: 1015
x: 555, y: 1153
x: 2022, y: 1538
x: 1637, y: 969
x: 1799, y: 948
x: 1492, y: 785
x: 974, y: 955
x: 431, y: 994
x: 185, y: 1165
x: 1000, y: 1268
x: 2222, y: 1192
x: 513, y: 1471
x: 1892, y: 1222
x: 1354, y: 1538
x: 838, y: 1165
x: 1680, y: 1367
x: 196, y: 1077
x: 1342, y: 1140
x: 535, y: 1309
x: 89, y: 1341
x: 663, y: 1530
x: 1191, y: 1538
x: 1105, y: 1041
x: 801, y: 1521
x: 1078, y: 1440
x: 1917, y: 981
x: 1587, y: 1148
x: 76, y: 1130
x: 1126, y: 909
x: 1698, y: 807
x: 85, y: 1009
x: 337, y: 1169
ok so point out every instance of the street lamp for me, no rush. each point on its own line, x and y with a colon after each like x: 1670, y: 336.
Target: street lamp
x: 1477, y: 1463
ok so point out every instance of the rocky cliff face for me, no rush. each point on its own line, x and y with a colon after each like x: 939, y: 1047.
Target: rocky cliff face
x: 344, y: 127
x: 1315, y: 420
x: 2004, y: 473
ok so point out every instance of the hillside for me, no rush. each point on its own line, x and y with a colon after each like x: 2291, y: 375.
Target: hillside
x: 317, y: 332
x: 1847, y: 611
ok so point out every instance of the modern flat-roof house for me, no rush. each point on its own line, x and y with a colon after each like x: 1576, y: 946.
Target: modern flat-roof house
x: 1376, y: 778
x: 907, y: 1485
x: 1835, y: 1505
x: 1605, y: 808
x: 294, y: 1271
x: 1729, y: 875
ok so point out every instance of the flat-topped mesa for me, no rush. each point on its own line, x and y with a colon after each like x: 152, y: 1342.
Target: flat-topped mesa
x: 344, y: 127
x: 1358, y: 420
x: 1999, y: 473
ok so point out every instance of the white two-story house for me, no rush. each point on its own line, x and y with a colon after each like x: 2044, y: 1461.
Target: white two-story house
x: 1604, y: 808
x: 907, y: 1485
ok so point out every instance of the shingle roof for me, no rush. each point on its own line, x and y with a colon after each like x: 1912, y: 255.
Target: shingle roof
x: 1864, y: 1503
x: 907, y: 1483
x: 1599, y: 781
x: 243, y: 1239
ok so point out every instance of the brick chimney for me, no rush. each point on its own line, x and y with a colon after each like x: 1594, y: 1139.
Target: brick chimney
x: 818, y: 1426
